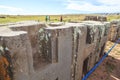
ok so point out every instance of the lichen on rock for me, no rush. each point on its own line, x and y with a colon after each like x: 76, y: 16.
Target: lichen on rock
x: 6, y: 72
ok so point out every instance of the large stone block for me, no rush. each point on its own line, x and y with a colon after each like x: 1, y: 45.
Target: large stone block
x: 114, y: 33
x: 65, y: 52
x: 20, y: 51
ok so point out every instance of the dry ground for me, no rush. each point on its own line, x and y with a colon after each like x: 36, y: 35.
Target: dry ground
x: 110, y: 67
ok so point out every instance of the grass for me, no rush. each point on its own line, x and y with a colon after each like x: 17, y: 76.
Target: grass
x: 113, y: 17
x: 9, y: 19
x: 53, y: 18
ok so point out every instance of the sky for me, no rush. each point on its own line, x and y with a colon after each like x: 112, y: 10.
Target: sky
x: 44, y: 7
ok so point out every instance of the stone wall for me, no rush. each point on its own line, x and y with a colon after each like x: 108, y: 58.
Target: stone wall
x: 57, y: 52
x: 96, y: 18
x: 114, y: 33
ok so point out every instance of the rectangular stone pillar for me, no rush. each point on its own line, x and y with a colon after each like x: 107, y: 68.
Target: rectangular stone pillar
x: 20, y: 49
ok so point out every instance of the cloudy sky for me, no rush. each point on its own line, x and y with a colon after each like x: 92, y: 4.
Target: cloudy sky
x: 40, y: 7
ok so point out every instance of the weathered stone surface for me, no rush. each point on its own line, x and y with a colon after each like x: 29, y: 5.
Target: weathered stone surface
x: 96, y: 18
x: 32, y: 28
x: 114, y: 33
x: 16, y: 43
x: 64, y: 52
x: 56, y: 24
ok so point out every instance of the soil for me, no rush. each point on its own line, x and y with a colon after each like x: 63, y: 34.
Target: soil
x: 109, y: 69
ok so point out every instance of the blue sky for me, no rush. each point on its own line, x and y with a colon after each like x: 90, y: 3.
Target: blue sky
x: 43, y: 7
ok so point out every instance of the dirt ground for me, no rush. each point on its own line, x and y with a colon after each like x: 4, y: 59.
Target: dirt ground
x: 110, y: 67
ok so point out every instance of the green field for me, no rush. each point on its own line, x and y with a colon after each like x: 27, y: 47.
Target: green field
x: 53, y: 18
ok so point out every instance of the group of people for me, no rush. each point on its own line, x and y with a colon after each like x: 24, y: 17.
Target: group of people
x: 47, y: 18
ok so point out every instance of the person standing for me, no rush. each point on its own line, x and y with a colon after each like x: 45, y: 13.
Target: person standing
x: 61, y: 18
x: 46, y: 18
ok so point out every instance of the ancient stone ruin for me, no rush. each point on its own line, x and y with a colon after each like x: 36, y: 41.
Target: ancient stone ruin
x: 96, y: 18
x: 32, y: 50
x: 114, y: 30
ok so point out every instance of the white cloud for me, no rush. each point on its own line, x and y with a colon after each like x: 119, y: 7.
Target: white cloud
x: 9, y: 8
x: 110, y: 2
x: 84, y: 5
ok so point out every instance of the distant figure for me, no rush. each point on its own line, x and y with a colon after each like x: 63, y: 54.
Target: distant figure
x: 61, y: 19
x: 47, y: 18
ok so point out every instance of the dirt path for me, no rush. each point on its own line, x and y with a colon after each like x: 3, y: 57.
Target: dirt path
x: 110, y: 68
